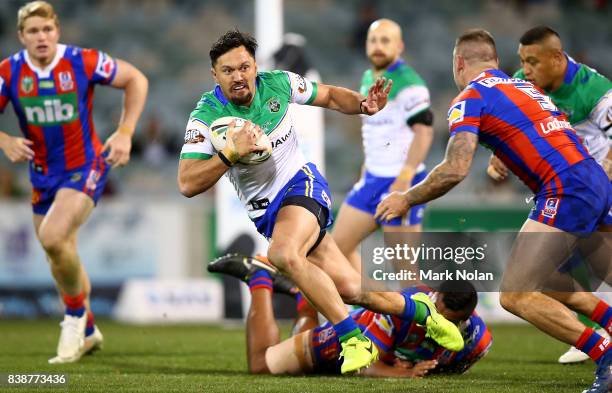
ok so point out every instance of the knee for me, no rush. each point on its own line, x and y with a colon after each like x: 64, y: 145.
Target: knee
x: 54, y: 244
x: 284, y: 257
x: 350, y: 290
x: 512, y: 301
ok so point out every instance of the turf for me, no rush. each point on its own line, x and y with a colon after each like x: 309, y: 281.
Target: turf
x: 212, y: 359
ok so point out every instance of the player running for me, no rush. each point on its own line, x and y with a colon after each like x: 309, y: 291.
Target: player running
x: 585, y: 96
x: 573, y: 194
x: 395, y: 143
x: 286, y: 197
x: 405, y: 349
x: 51, y: 88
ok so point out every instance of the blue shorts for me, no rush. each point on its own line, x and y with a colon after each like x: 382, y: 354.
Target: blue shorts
x: 89, y: 179
x: 577, y: 200
x: 370, y: 190
x: 325, y: 349
x: 306, y: 182
x: 608, y: 219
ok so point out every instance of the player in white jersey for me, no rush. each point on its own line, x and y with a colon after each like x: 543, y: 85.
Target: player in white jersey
x: 288, y: 199
x: 396, y: 142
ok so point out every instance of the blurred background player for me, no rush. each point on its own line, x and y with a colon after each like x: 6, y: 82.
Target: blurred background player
x: 531, y: 136
x: 51, y: 88
x: 585, y: 96
x: 395, y: 143
x: 286, y: 197
x: 405, y: 350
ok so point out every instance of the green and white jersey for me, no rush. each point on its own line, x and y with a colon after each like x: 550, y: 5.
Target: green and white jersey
x: 586, y: 98
x: 269, y: 110
x: 386, y: 135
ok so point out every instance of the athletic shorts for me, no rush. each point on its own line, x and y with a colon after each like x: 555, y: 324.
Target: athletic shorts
x: 89, y: 179
x: 307, y: 182
x: 325, y: 350
x: 370, y: 190
x: 577, y: 200
x: 608, y: 219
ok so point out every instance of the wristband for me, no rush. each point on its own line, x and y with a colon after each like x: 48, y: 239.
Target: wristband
x: 225, y: 160
x: 406, y: 174
x: 361, y: 106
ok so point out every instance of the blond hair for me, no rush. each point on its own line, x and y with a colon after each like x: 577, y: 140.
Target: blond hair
x: 36, y: 8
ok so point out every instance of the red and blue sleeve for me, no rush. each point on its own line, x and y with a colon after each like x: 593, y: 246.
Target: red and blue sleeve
x: 465, y: 112
x: 99, y: 66
x: 5, y: 82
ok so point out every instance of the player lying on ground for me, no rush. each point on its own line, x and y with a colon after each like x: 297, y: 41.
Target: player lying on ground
x: 572, y: 193
x: 405, y: 349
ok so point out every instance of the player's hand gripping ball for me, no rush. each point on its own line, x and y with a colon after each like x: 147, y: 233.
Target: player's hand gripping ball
x: 219, y: 133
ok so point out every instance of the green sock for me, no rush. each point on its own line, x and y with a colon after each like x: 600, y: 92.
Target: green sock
x: 421, y: 312
x: 353, y: 333
x: 587, y: 322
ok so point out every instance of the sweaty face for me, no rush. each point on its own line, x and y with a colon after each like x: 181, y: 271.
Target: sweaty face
x: 39, y: 37
x: 538, y: 65
x: 235, y: 72
x: 383, y: 47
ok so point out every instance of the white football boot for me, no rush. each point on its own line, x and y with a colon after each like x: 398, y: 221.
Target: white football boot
x: 93, y: 342
x: 72, y: 339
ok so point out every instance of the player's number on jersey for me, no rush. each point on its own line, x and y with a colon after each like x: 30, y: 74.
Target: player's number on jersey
x: 542, y: 99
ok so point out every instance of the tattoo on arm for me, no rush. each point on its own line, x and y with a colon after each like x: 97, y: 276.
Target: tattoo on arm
x: 448, y: 173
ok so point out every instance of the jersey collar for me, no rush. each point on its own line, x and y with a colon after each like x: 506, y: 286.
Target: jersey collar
x: 572, y: 69
x: 395, y: 65
x: 45, y: 72
x: 243, y: 109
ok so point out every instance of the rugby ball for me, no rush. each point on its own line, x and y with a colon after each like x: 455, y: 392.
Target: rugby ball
x: 218, y: 130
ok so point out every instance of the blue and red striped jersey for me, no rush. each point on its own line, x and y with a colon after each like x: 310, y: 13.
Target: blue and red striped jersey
x: 520, y: 124
x: 54, y: 104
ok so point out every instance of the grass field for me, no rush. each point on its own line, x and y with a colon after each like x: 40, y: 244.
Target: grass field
x: 212, y: 359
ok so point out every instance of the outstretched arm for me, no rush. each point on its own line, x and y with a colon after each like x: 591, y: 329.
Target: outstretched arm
x: 445, y: 176
x: 350, y: 102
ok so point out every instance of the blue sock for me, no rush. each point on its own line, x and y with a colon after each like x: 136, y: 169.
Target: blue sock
x: 75, y: 312
x: 346, y: 329
x: 260, y: 279
x: 414, y: 311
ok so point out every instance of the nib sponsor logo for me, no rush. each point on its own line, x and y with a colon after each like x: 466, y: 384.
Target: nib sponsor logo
x: 50, y: 110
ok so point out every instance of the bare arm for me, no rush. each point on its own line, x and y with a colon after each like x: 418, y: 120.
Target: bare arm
x: 135, y: 86
x: 445, y: 176
x: 197, y: 176
x: 423, y: 137
x: 16, y: 149
x: 350, y: 102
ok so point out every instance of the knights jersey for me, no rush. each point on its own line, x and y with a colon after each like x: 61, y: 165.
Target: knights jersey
x: 274, y: 91
x: 520, y: 124
x: 54, y: 104
x: 405, y: 340
x: 386, y: 135
x: 586, y: 98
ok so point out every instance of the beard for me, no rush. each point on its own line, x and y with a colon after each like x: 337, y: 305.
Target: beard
x: 242, y: 99
x: 381, y: 62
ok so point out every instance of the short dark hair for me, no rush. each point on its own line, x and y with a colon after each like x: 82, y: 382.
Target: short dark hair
x: 478, y: 36
x: 537, y: 35
x: 459, y: 295
x: 230, y: 40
